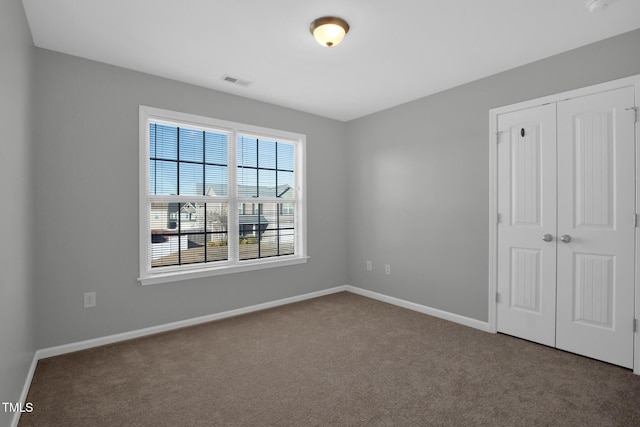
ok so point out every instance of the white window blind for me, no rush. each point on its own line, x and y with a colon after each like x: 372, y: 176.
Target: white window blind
x: 266, y: 180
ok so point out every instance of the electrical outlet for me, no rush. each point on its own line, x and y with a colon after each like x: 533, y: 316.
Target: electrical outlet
x: 387, y: 269
x: 369, y: 265
x: 89, y: 299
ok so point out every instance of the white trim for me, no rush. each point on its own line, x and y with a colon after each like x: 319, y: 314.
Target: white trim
x: 233, y: 228
x: 452, y: 317
x: 148, y: 276
x: 259, y: 264
x: 143, y: 185
x: 110, y: 339
x: 300, y: 180
x: 493, y: 188
x: 572, y: 94
x: 636, y: 335
x: 25, y: 388
x: 493, y: 220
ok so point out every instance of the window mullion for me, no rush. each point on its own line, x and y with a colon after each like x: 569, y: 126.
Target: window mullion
x: 257, y: 168
x: 232, y: 190
x: 204, y: 192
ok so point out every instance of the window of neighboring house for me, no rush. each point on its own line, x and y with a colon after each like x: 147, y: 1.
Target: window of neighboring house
x: 286, y: 209
x: 217, y: 197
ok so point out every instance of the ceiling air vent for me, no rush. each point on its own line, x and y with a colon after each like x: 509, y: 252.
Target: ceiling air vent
x: 235, y: 80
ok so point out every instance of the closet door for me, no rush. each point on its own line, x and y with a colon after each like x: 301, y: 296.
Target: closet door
x: 527, y: 228
x: 596, y: 220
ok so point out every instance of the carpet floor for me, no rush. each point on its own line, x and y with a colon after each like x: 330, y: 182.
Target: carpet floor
x: 337, y: 360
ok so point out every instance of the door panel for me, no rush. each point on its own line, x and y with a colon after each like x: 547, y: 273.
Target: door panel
x: 593, y: 289
x: 527, y: 205
x: 524, y: 289
x: 596, y: 208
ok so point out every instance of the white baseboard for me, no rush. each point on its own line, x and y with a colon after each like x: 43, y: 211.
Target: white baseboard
x: 466, y: 321
x: 110, y: 339
x: 25, y: 389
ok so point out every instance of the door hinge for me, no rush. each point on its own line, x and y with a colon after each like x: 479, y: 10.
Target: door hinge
x: 636, y: 220
x: 498, y: 218
x: 498, y: 135
x: 635, y: 110
x: 635, y: 325
x: 498, y: 298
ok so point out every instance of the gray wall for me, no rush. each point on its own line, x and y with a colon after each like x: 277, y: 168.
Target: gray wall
x: 86, y: 199
x: 416, y: 177
x: 16, y: 254
x: 419, y: 179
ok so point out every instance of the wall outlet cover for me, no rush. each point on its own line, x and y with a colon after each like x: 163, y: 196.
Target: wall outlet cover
x: 89, y: 299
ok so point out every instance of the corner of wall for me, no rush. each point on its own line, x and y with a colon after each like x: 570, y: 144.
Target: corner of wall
x: 17, y: 334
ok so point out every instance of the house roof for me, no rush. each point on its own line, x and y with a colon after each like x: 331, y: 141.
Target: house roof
x: 253, y: 219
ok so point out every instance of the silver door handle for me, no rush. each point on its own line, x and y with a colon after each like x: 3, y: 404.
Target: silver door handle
x: 547, y: 237
x: 565, y: 238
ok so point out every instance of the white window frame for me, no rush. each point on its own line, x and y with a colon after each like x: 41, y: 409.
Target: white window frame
x: 149, y: 276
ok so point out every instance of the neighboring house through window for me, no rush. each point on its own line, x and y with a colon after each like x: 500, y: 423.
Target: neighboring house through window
x: 218, y: 197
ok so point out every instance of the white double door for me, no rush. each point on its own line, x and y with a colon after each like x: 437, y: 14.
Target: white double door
x: 566, y: 236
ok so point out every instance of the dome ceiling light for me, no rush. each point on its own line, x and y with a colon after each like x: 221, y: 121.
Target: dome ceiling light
x: 329, y: 30
x: 598, y: 5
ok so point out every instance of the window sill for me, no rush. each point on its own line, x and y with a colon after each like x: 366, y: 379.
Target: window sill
x: 176, y: 276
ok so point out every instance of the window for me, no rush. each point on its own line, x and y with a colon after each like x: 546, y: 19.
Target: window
x: 217, y: 197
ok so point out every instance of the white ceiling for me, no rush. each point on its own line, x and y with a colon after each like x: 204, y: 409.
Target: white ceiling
x: 396, y: 50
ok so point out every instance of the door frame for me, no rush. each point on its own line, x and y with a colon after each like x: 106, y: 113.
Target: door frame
x: 633, y: 81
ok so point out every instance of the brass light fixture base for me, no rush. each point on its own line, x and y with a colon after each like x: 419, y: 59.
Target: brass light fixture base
x: 329, y: 30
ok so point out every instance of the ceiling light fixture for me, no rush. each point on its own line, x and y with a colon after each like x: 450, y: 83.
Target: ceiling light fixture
x: 329, y: 30
x: 597, y: 5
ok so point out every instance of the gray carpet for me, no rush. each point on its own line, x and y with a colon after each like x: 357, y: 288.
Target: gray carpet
x: 341, y: 359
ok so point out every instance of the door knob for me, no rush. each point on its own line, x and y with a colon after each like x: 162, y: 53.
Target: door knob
x: 547, y: 237
x: 565, y: 238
